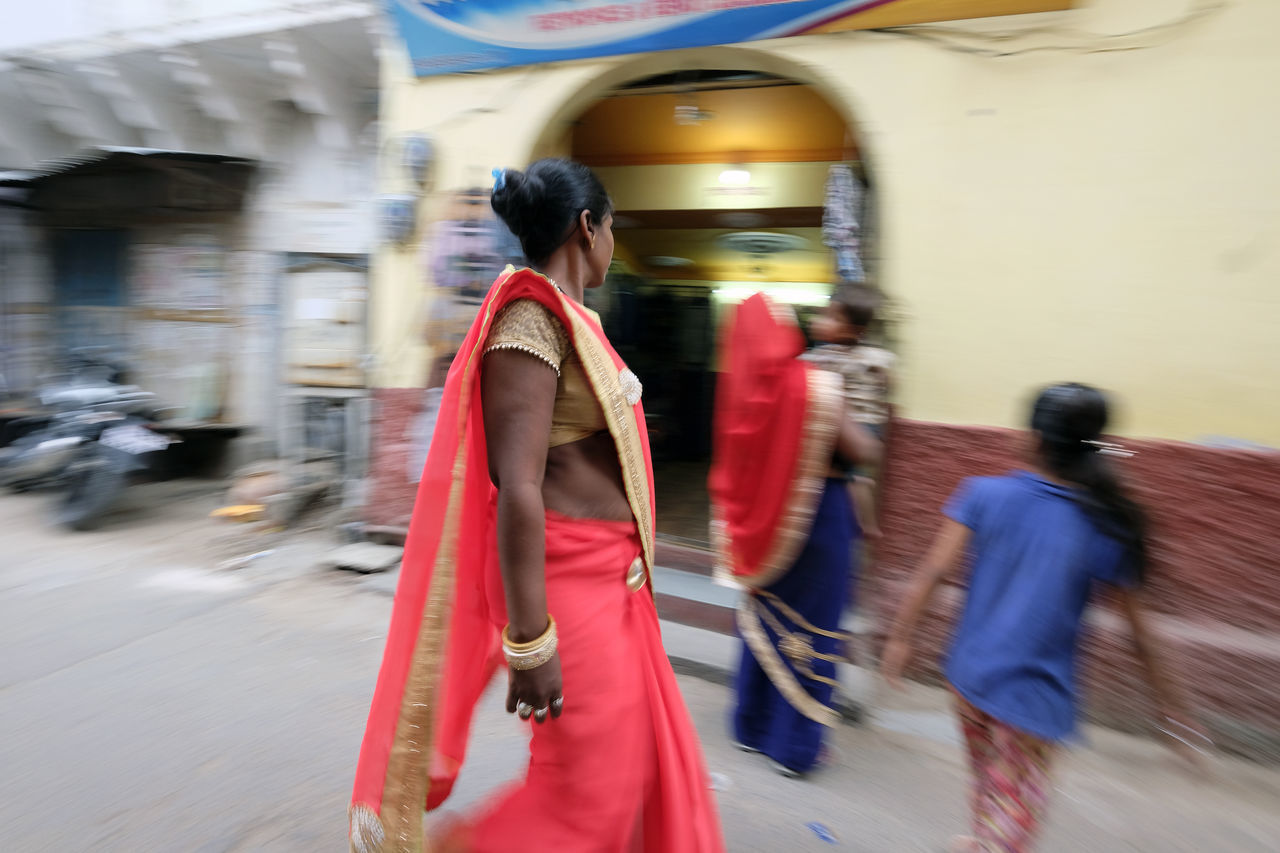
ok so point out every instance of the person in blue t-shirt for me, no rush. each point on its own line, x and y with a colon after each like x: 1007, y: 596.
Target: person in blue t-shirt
x: 1040, y: 540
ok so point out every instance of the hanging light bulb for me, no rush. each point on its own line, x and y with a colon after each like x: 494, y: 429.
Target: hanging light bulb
x: 688, y: 115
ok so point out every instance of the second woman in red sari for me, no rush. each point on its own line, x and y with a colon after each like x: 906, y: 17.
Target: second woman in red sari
x: 531, y: 543
x: 783, y: 527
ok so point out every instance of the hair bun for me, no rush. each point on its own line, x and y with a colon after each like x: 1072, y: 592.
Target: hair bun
x: 541, y: 204
x: 517, y: 200
x: 518, y: 191
x: 504, y: 188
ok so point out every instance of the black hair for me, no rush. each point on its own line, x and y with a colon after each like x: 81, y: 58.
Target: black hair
x: 858, y: 303
x: 541, y: 205
x: 1069, y: 419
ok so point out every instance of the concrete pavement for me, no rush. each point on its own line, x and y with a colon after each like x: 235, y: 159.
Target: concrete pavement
x: 151, y: 701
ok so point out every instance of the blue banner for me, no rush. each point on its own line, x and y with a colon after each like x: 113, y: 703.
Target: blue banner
x: 469, y: 35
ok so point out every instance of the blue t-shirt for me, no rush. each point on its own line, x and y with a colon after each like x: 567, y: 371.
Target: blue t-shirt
x: 1036, y: 554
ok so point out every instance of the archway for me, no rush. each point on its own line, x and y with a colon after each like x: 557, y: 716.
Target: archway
x: 718, y: 162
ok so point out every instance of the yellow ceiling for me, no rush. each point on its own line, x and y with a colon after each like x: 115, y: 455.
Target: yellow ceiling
x: 773, y: 124
x: 629, y: 134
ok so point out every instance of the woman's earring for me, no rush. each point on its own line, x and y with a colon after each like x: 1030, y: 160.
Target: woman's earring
x: 593, y: 243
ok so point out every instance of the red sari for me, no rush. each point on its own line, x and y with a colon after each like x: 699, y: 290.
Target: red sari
x: 622, y: 768
x: 775, y: 431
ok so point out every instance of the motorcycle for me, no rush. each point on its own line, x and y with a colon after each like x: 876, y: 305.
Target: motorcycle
x: 102, y: 434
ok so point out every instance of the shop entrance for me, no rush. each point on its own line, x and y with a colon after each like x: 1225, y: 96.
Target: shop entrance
x: 720, y: 179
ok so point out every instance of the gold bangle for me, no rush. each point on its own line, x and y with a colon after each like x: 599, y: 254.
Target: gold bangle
x: 531, y: 660
x: 508, y: 643
x: 533, y: 654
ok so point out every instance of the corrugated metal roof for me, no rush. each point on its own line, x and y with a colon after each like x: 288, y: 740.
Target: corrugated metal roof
x: 108, y: 154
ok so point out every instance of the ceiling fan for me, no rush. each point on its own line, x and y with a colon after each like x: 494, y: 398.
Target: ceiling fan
x: 760, y: 246
x: 761, y: 242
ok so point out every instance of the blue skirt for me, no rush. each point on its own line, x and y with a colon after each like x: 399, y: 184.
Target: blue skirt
x: 812, y: 594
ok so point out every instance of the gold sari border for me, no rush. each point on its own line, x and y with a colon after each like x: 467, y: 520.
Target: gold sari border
x: 777, y: 671
x: 722, y: 556
x: 367, y: 831
x: 409, y: 763
x: 621, y: 419
x: 802, y: 623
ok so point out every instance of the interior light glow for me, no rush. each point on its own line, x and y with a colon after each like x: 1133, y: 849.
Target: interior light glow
x: 809, y: 293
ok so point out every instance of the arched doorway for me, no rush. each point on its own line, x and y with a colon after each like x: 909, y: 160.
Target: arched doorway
x: 719, y: 175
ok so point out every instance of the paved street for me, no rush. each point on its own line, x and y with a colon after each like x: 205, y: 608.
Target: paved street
x: 155, y: 698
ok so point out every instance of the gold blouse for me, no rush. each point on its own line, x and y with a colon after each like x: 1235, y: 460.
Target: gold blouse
x: 527, y: 326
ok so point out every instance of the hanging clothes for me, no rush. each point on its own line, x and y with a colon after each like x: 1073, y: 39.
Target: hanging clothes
x: 840, y: 228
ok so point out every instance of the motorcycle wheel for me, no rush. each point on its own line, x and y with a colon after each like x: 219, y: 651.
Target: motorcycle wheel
x: 11, y: 456
x: 92, y: 484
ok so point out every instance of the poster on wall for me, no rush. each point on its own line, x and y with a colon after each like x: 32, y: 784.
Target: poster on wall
x: 469, y: 35
x: 325, y: 322
x: 178, y: 270
x: 199, y: 264
x: 464, y: 252
x: 184, y: 364
x: 153, y: 276
x: 462, y: 255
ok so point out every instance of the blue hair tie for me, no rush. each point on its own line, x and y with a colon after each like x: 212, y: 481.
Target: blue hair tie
x: 499, y: 179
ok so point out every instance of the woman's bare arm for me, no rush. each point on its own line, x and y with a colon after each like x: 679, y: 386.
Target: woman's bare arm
x: 518, y: 393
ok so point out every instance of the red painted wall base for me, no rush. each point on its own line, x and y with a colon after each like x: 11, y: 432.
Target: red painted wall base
x: 1214, y: 588
x: 1214, y: 585
x: 391, y: 491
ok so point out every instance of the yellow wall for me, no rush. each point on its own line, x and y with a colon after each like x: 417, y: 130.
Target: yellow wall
x: 1109, y: 217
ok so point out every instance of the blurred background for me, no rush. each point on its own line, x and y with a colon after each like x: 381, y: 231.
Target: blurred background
x: 241, y: 240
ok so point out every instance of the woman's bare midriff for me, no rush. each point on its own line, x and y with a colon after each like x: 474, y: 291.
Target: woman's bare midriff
x: 584, y: 480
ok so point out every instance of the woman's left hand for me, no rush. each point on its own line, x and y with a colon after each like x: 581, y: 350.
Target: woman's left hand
x: 536, y: 693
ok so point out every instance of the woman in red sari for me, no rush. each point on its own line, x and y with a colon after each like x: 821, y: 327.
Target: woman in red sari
x: 532, y: 542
